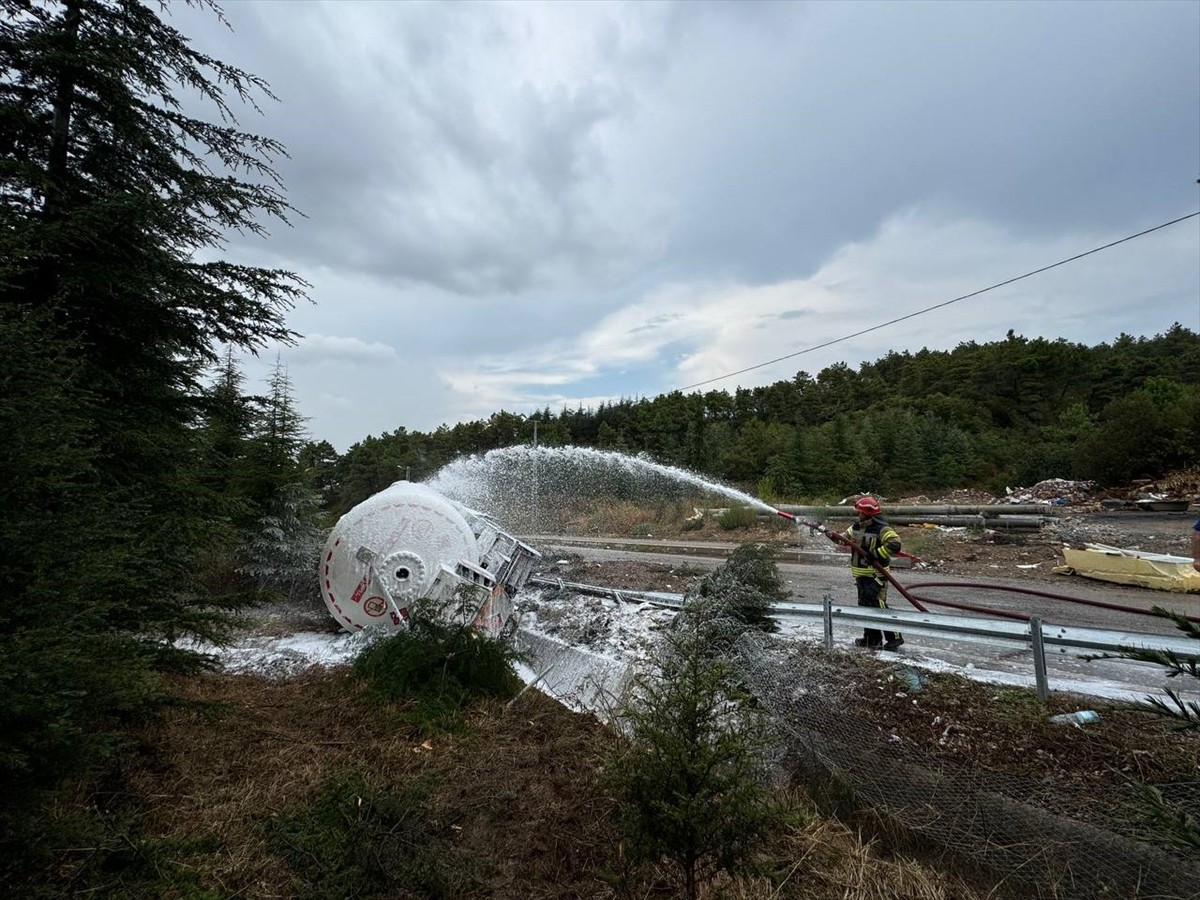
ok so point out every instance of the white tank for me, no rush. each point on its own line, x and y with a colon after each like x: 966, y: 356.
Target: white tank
x: 407, y: 543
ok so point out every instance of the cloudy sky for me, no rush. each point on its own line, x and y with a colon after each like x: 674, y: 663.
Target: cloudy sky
x: 514, y: 205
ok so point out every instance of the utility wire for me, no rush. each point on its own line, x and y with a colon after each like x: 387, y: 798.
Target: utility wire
x: 919, y: 312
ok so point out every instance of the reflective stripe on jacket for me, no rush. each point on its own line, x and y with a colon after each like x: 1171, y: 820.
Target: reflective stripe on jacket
x: 878, y: 539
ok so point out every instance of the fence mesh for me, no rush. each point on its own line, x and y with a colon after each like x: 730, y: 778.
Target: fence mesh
x: 1048, y: 838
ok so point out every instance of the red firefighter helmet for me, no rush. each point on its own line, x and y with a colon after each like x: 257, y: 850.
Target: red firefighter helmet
x: 868, y: 506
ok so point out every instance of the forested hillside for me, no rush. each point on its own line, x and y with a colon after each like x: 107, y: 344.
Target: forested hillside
x: 987, y: 415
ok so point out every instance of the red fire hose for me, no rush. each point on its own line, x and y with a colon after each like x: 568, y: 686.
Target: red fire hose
x: 1016, y: 590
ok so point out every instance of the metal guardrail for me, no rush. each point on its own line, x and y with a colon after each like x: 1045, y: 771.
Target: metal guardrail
x: 1073, y: 636
x: 1036, y: 634
x: 995, y: 517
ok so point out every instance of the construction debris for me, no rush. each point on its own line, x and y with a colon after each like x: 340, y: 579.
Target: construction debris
x: 1160, y: 571
x: 1053, y: 491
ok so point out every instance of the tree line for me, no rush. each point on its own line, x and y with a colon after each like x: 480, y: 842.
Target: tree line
x: 987, y: 415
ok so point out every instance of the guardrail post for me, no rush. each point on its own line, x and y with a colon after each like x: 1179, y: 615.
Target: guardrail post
x: 1039, y: 658
x: 827, y: 602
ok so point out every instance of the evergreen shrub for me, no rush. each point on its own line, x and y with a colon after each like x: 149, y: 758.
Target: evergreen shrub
x: 440, y: 663
x: 691, y: 777
x: 744, y: 586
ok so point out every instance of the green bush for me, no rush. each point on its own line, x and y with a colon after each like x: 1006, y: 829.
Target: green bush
x: 441, y: 664
x: 738, y: 517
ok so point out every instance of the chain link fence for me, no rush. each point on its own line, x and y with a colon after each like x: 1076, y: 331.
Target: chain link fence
x: 1039, y: 837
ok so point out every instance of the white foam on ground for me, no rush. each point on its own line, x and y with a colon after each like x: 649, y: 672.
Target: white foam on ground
x: 585, y: 650
x: 284, y: 655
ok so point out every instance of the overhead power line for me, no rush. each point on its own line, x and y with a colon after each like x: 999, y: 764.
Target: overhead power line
x: 920, y: 312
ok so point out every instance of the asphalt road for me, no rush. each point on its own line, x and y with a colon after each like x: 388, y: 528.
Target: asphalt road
x: 817, y: 572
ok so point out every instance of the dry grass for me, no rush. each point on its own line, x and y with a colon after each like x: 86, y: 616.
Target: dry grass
x: 517, y: 789
x: 619, y: 517
x: 829, y: 861
x: 268, y: 747
x: 627, y: 518
x: 518, y: 793
x: 668, y: 519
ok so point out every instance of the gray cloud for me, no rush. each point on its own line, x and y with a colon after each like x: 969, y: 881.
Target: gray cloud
x: 435, y: 152
x: 1043, y: 116
x: 533, y: 202
x: 320, y: 348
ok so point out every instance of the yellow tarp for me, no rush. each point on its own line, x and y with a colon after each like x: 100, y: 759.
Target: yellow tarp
x: 1152, y: 570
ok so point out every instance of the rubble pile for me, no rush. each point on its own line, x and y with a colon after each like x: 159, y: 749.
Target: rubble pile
x: 967, y: 497
x: 1084, y: 495
x: 956, y: 497
x: 1183, y: 485
x: 1053, y: 492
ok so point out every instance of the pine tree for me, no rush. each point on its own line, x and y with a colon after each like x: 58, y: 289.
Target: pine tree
x: 286, y: 539
x: 283, y: 431
x: 318, y: 460
x: 111, y: 200
x: 274, y: 441
x: 744, y: 587
x: 692, y: 778
x: 282, y: 555
x: 227, y: 417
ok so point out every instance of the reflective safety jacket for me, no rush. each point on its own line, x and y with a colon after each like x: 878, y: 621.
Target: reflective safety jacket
x: 878, y: 539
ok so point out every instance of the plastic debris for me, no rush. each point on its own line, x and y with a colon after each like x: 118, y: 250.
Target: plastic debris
x: 1078, y: 719
x: 911, y: 678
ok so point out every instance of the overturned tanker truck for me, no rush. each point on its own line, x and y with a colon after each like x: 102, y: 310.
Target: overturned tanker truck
x: 409, y: 543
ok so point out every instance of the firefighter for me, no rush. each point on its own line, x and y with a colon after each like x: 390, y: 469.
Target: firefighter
x: 876, y: 540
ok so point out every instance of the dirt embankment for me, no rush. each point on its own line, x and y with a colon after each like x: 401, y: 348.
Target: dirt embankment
x: 513, y: 807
